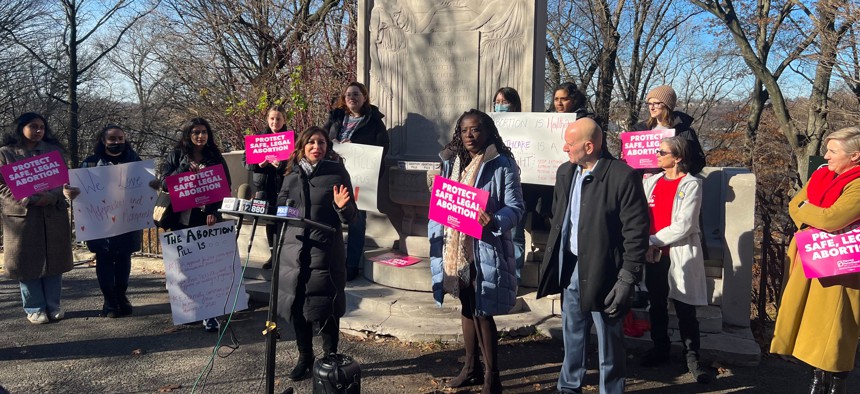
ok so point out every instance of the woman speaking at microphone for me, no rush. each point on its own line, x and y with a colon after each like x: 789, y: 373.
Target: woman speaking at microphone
x: 312, y: 262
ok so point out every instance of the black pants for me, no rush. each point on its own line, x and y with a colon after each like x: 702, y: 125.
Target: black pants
x: 112, y: 271
x: 329, y: 333
x: 657, y: 280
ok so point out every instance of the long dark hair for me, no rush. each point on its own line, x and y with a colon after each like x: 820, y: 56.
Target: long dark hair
x: 512, y: 96
x: 16, y: 136
x: 210, y: 150
x: 341, y: 101
x: 575, y: 94
x: 485, y: 125
x: 299, y: 151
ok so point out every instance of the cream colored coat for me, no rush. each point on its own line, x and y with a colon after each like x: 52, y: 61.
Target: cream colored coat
x: 819, y: 319
x: 687, y: 264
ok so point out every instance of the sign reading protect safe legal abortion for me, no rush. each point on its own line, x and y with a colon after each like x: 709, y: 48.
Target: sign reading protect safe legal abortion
x: 269, y: 147
x: 203, y: 272
x: 829, y: 254
x: 457, y: 206
x: 35, y: 174
x: 639, y: 148
x: 189, y: 189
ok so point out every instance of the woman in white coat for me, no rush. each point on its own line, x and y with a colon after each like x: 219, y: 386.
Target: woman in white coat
x: 677, y: 268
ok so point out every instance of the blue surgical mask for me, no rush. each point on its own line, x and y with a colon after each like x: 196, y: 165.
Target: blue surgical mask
x: 502, y: 108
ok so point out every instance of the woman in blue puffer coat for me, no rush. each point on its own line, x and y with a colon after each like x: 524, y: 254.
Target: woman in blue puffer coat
x: 480, y: 272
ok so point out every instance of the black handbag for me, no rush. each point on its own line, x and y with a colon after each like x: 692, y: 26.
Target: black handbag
x: 163, y: 215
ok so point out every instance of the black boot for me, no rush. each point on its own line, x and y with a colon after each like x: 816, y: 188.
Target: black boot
x: 819, y: 383
x: 837, y: 382
x: 472, y: 373
x: 492, y: 383
x: 658, y: 355
x: 303, y: 368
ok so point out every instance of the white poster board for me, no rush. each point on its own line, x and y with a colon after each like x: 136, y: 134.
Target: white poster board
x: 537, y: 142
x: 363, y: 163
x: 203, y: 271
x: 114, y: 200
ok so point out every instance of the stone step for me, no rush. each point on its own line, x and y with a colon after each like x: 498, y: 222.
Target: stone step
x: 414, y: 277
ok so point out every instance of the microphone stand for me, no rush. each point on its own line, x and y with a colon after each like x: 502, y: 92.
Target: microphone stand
x: 270, y: 331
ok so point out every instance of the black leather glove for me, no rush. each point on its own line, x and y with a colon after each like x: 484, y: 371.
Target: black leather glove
x: 620, y: 298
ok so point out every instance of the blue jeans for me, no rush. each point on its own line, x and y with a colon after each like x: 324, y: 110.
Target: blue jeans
x: 355, y: 240
x: 576, y: 326
x: 42, y: 295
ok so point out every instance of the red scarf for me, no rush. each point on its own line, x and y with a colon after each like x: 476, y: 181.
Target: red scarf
x: 826, y: 186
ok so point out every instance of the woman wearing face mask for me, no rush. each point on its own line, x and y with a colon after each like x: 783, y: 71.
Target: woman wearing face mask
x: 113, y: 254
x: 508, y: 100
x: 37, y: 245
x: 312, y: 270
x: 355, y: 120
x: 481, y: 272
x: 195, y: 151
x: 661, y: 103
x: 268, y: 176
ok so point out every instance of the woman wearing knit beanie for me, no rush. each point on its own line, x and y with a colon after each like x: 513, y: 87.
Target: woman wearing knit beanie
x: 661, y: 103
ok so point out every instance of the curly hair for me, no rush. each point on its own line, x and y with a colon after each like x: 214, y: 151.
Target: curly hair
x: 303, y: 138
x: 485, y: 124
x: 184, y: 145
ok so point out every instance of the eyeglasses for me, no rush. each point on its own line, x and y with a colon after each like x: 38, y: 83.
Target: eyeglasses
x: 654, y: 104
x: 662, y: 153
x: 198, y: 132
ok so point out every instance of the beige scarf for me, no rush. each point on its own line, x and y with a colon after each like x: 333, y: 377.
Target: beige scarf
x: 458, y: 252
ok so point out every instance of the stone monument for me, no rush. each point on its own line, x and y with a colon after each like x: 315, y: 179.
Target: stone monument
x: 425, y: 62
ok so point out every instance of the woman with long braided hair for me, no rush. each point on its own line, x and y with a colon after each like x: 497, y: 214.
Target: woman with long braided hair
x: 481, y: 272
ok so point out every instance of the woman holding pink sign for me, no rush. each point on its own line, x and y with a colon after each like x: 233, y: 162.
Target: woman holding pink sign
x: 36, y: 229
x: 195, y: 151
x: 269, y: 176
x: 819, y: 319
x: 480, y: 272
x: 661, y: 103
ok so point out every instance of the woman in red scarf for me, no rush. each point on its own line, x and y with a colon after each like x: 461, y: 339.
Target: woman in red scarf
x: 819, y: 319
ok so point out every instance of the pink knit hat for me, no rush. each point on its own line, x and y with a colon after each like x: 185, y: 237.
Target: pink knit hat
x: 664, y: 94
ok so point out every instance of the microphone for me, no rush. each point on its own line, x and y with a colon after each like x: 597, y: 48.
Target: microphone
x: 259, y: 204
x: 289, y: 210
x: 233, y: 203
x: 244, y: 198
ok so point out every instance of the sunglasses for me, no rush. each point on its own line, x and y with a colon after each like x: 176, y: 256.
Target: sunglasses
x: 662, y: 153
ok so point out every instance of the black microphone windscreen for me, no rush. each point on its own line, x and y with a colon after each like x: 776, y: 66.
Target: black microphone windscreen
x: 244, y: 192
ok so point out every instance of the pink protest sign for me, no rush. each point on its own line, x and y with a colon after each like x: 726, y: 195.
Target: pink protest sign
x: 188, y: 189
x: 269, y: 147
x: 395, y: 259
x: 829, y: 254
x: 35, y: 174
x: 457, y: 206
x: 639, y: 148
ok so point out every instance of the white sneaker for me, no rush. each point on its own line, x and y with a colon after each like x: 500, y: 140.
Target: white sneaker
x: 58, y: 314
x: 37, y: 317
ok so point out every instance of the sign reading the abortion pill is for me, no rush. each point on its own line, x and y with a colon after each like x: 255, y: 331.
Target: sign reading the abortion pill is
x: 193, y: 189
x: 203, y: 272
x: 639, y: 148
x: 537, y: 141
x: 35, y: 174
x: 828, y: 254
x: 269, y: 147
x: 114, y: 199
x: 457, y: 206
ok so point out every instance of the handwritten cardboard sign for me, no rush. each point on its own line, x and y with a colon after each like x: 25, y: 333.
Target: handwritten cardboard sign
x: 114, y: 200
x: 537, y: 142
x: 639, y: 148
x: 189, y: 189
x: 203, y: 272
x: 828, y: 254
x: 395, y: 259
x: 362, y: 162
x: 457, y: 206
x: 35, y: 174
x: 269, y: 147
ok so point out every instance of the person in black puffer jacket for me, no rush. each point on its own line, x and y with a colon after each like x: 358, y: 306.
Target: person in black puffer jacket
x: 355, y: 120
x: 661, y: 107
x: 312, y: 272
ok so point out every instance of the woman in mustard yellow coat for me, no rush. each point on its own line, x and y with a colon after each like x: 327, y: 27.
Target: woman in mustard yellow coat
x: 819, y: 319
